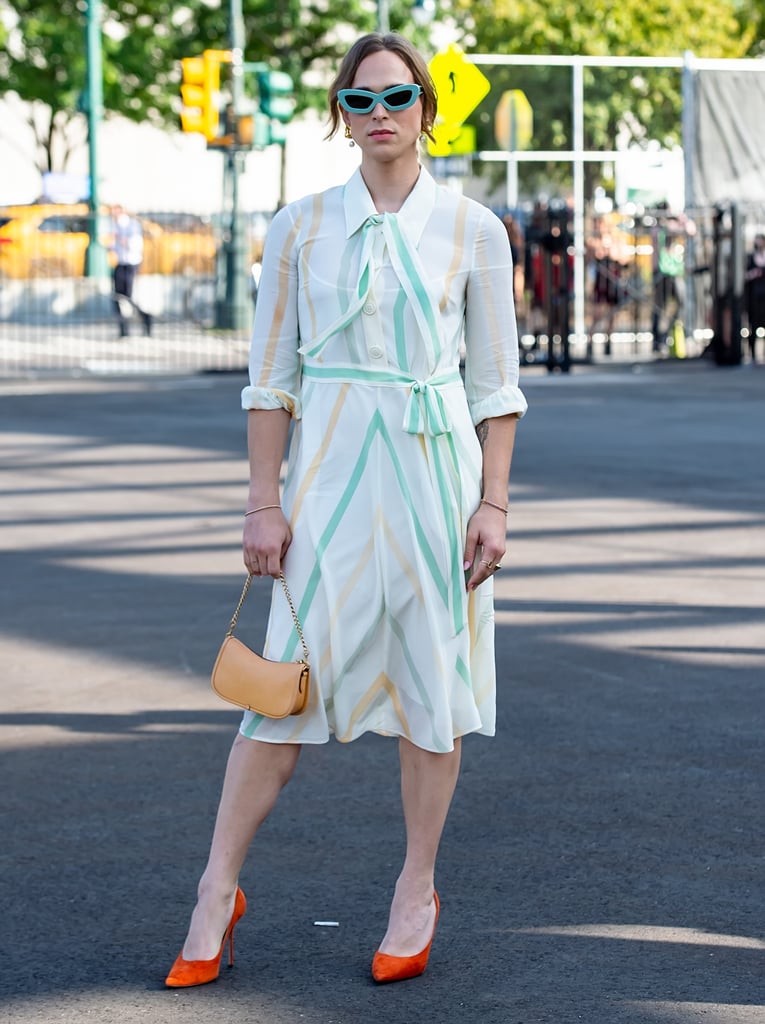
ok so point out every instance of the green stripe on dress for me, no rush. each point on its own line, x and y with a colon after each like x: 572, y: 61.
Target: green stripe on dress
x: 376, y: 427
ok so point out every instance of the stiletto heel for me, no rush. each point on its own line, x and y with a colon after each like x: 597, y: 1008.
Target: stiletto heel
x: 399, y: 968
x: 187, y: 973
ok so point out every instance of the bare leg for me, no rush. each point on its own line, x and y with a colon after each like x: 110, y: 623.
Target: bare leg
x: 255, y: 775
x: 427, y: 786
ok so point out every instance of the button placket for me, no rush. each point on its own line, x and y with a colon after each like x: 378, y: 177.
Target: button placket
x: 371, y: 319
x: 373, y: 333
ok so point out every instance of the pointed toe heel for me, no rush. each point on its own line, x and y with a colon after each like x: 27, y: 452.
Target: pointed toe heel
x: 187, y: 973
x: 386, y: 968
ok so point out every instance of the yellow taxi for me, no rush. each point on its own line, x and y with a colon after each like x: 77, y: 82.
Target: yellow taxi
x: 41, y: 241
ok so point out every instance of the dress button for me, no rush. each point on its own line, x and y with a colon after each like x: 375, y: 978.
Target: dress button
x: 376, y: 352
x: 369, y: 308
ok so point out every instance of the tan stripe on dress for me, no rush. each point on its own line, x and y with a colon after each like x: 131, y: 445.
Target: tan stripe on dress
x: 313, y: 231
x: 321, y: 451
x: 277, y: 321
x: 404, y: 562
x: 495, y: 332
x: 343, y: 597
x: 381, y: 683
x: 458, y: 249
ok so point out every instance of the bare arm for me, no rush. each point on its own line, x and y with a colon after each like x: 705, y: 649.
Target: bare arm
x: 267, y: 533
x: 488, y: 527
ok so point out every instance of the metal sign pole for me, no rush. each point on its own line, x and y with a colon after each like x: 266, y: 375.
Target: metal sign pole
x: 235, y: 311
x: 577, y: 86
x: 96, y: 263
x: 383, y: 17
x: 689, y: 151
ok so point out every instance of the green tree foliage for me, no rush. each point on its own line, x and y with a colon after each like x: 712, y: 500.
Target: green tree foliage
x: 642, y: 104
x: 43, y: 61
x: 43, y: 53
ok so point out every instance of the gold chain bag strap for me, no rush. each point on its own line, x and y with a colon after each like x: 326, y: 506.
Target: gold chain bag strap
x: 274, y: 689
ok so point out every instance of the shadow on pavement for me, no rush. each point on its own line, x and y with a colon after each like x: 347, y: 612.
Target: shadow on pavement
x: 603, y: 860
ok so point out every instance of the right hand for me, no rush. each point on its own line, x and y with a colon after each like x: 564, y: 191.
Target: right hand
x: 265, y: 540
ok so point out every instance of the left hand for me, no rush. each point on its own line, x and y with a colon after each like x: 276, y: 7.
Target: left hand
x: 484, y: 545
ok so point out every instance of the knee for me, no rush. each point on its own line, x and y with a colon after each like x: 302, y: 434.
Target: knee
x: 275, y: 761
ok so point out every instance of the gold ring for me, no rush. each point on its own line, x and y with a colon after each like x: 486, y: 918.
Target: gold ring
x: 484, y: 562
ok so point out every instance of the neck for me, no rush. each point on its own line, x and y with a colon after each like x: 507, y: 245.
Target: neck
x: 390, y: 184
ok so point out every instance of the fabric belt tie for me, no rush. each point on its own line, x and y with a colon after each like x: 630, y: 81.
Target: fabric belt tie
x: 425, y: 411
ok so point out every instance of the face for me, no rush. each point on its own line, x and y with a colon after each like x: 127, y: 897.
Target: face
x: 384, y: 134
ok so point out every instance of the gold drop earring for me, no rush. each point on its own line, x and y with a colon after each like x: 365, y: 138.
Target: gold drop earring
x: 349, y: 135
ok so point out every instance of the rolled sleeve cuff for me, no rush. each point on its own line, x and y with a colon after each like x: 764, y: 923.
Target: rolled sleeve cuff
x: 271, y: 398
x: 507, y: 401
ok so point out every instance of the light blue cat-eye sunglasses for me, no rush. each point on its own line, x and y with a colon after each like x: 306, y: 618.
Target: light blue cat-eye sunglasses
x: 364, y: 101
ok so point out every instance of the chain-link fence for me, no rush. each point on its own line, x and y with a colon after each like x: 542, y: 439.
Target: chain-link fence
x: 160, y: 314
x: 657, y: 286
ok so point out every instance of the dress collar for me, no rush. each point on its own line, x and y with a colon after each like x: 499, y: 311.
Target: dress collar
x: 413, y: 215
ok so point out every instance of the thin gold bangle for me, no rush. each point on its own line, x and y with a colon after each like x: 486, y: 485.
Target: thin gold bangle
x: 260, y: 508
x: 491, y: 504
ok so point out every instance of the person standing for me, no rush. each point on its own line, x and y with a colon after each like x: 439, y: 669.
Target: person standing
x: 392, y: 521
x: 668, y: 283
x: 127, y: 248
x: 608, y: 269
x: 755, y: 292
x: 517, y: 251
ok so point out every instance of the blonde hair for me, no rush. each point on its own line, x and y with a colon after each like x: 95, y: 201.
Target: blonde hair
x: 375, y: 42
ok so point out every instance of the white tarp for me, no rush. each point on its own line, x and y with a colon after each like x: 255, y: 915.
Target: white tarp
x: 729, y: 152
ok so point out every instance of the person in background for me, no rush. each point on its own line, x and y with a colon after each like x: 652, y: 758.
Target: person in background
x: 668, y: 281
x: 755, y: 292
x: 517, y: 251
x: 126, y: 246
x: 608, y: 266
x: 392, y: 520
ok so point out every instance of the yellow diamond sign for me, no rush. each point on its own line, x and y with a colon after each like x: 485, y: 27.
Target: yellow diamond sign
x: 459, y: 84
x: 513, y: 121
x: 460, y: 87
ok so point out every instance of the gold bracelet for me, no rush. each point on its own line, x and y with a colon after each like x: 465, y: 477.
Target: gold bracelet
x: 252, y: 511
x: 491, y: 504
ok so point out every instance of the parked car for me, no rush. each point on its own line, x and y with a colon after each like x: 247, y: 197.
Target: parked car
x: 50, y: 241
x: 178, y: 243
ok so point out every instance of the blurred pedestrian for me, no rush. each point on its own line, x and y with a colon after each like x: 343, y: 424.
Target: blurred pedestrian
x: 126, y: 246
x: 668, y: 282
x: 393, y: 517
x: 609, y: 262
x: 517, y: 251
x: 755, y: 293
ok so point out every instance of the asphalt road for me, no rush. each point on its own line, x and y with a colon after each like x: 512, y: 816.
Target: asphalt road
x: 604, y: 858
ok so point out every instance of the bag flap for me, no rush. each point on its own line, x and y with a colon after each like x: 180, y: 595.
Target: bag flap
x: 269, y: 688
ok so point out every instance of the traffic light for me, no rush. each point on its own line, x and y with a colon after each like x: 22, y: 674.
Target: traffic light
x: 276, y: 101
x: 200, y: 92
x: 261, y: 131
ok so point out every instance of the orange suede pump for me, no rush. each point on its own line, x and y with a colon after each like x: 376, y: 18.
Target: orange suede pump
x: 398, y: 968
x: 187, y: 973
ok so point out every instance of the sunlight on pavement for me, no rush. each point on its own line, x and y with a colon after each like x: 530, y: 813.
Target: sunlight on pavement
x: 690, y: 1013
x: 647, y: 933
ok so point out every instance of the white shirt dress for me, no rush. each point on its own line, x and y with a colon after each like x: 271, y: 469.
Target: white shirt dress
x: 360, y: 324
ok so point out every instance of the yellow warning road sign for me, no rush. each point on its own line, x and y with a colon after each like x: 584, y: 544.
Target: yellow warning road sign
x: 460, y: 86
x: 513, y: 121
